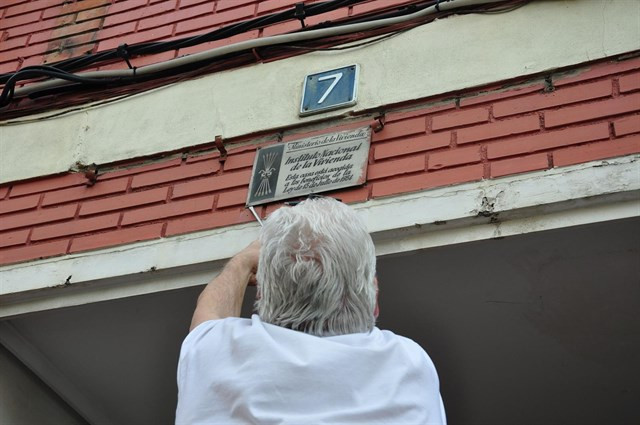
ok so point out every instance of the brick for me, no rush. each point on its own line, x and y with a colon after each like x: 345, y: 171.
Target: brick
x: 401, y: 128
x: 282, y: 28
x: 627, y: 125
x: 371, y: 6
x: 68, y: 44
x: 138, y: 37
x: 33, y: 252
x: 139, y: 169
x: 210, y: 184
x: 36, y: 49
x: 7, y: 3
x: 227, y: 4
x: 208, y: 221
x: 175, y: 173
x: 351, y: 195
x: 124, y: 201
x: 548, y: 140
x: 79, y: 6
x: 72, y: 47
x: 66, y: 31
x: 116, y: 31
x: 406, y: 165
x: 233, y: 198
x: 558, y: 97
x: 75, y: 227
x: 332, y: 16
x: 83, y: 192
x: 9, y: 66
x: 17, y: 204
x: 452, y: 157
x: 30, y: 7
x: 187, y: 3
x: 428, y: 180
x: 267, y: 6
x: 594, y: 151
x: 117, y: 237
x: 411, y: 145
x: 521, y: 164
x: 14, y: 238
x: 629, y: 82
x: 498, y: 129
x: 458, y: 118
x: 216, y: 19
x: 33, y: 27
x: 495, y: 95
x: 151, y: 59
x: 240, y: 161
x: 87, y: 15
x: 597, y: 71
x: 437, y: 107
x: 175, y: 16
x: 196, y: 157
x: 604, y: 108
x: 33, y: 60
x: 123, y: 6
x: 138, y: 14
x: 57, y: 11
x: 171, y: 209
x: 4, y: 191
x: 46, y: 215
x: 13, y: 43
x: 20, y: 19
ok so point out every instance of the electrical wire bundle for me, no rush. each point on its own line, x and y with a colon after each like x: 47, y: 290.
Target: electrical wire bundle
x: 60, y: 77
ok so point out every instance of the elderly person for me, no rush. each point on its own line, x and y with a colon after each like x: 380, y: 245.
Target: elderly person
x: 312, y: 353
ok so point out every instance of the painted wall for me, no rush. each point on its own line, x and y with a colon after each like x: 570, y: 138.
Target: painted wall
x: 25, y: 400
x: 426, y: 61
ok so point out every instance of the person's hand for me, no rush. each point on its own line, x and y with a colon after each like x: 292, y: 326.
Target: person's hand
x: 248, y: 258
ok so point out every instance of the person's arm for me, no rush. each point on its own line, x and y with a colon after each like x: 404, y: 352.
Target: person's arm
x: 223, y: 296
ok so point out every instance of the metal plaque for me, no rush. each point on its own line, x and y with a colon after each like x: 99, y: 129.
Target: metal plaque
x: 312, y: 165
x: 329, y: 90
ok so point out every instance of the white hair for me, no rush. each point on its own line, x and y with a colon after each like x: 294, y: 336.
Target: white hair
x: 316, y: 270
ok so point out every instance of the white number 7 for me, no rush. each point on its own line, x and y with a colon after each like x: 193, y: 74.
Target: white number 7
x: 336, y: 77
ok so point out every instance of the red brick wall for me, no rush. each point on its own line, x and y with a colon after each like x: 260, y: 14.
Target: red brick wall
x: 592, y: 114
x: 44, y: 31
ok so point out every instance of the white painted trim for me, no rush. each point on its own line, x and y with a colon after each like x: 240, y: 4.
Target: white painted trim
x: 581, y: 194
x: 444, y: 56
x: 38, y: 362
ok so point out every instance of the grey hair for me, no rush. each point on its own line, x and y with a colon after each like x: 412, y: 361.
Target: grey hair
x: 316, y: 270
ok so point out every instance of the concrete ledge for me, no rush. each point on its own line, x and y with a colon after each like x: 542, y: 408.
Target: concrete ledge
x: 582, y: 194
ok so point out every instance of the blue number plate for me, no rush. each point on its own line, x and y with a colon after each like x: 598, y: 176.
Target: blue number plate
x: 329, y: 90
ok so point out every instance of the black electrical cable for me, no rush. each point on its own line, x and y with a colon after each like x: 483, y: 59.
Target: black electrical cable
x: 59, y: 70
x: 225, y: 32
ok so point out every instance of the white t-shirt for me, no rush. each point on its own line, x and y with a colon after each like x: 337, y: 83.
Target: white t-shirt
x: 240, y: 371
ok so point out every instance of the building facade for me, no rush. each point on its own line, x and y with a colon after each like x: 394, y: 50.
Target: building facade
x: 501, y: 190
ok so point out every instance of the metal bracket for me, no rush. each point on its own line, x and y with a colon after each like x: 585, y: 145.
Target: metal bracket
x: 378, y: 124
x: 220, y: 145
x: 255, y: 214
x: 91, y: 173
x: 123, y: 52
x: 300, y: 13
